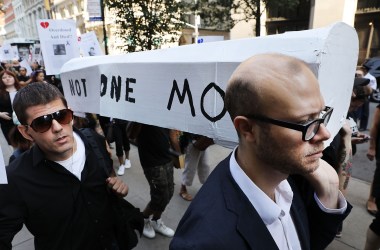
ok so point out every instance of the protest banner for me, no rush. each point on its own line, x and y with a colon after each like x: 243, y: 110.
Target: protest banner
x: 58, y: 43
x: 3, y: 176
x: 89, y: 45
x: 6, y: 52
x: 183, y: 87
x: 15, y: 55
x: 36, y: 53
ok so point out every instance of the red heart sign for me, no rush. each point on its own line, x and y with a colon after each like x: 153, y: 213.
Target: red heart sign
x: 44, y: 24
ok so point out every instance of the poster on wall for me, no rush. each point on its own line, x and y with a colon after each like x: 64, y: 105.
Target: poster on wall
x: 89, y: 45
x: 59, y: 43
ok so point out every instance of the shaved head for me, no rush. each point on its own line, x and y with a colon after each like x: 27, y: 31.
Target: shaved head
x: 267, y: 80
x: 281, y: 88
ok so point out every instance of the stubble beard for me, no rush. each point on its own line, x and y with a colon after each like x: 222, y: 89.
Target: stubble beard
x: 285, y: 161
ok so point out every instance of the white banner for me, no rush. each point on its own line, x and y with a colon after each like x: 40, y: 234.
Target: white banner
x: 89, y: 45
x: 59, y: 43
x: 183, y: 87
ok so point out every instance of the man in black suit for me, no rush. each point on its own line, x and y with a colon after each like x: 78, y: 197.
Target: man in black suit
x: 273, y: 191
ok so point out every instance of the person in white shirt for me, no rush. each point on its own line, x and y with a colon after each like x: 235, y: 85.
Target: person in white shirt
x: 273, y: 191
x: 363, y: 112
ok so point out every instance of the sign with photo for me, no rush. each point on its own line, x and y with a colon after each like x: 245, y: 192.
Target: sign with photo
x: 6, y: 52
x: 59, y: 43
x: 36, y: 53
x: 89, y: 45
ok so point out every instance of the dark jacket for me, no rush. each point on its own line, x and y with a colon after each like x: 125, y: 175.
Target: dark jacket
x: 61, y: 211
x: 221, y: 217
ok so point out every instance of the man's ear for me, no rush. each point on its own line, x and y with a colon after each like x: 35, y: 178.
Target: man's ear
x: 244, y: 127
x: 24, y: 131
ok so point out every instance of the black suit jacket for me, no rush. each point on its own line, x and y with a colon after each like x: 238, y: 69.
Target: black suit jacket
x: 221, y: 217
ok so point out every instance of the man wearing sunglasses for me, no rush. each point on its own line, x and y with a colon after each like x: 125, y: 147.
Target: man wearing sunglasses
x: 273, y: 191
x: 58, y: 189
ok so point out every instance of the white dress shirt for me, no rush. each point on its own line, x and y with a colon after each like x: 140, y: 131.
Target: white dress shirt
x: 276, y: 215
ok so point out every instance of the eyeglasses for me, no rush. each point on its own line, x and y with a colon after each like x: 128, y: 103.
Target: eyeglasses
x: 43, y: 123
x: 309, y: 129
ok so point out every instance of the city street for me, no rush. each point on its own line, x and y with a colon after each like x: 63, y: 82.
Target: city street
x: 354, y: 228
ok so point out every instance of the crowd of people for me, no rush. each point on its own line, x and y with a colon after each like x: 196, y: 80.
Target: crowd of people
x: 278, y: 189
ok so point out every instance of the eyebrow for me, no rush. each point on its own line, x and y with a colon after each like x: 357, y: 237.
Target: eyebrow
x: 307, y: 116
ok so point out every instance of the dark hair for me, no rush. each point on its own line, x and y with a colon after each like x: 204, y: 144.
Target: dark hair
x: 2, y: 85
x: 35, y: 74
x: 240, y: 95
x: 34, y: 94
x: 18, y: 141
x: 85, y: 122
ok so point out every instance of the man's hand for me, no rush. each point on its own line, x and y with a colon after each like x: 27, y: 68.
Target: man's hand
x: 5, y: 116
x: 360, y: 138
x: 118, y: 186
x: 325, y: 182
x: 371, y: 153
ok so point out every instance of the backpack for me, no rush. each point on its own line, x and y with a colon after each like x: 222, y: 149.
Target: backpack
x: 127, y: 218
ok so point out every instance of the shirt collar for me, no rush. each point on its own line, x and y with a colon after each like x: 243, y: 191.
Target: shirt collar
x: 268, y: 210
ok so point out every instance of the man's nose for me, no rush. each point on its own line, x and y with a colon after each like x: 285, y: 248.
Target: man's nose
x: 323, y: 134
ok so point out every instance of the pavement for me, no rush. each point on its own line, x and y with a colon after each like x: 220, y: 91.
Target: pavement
x: 354, y: 228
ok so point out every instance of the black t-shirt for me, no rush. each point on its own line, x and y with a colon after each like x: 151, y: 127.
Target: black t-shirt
x: 23, y: 78
x: 153, y: 146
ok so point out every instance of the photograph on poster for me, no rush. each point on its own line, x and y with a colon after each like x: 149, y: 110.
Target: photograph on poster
x: 59, y: 49
x: 58, y: 43
x: 91, y: 52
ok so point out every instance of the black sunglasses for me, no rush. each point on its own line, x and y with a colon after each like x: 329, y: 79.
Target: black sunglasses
x: 309, y: 129
x: 43, y: 123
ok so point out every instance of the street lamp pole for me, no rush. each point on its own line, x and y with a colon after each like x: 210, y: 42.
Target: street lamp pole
x: 104, y: 27
x: 372, y: 27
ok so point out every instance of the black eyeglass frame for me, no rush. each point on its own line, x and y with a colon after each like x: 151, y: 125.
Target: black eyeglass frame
x: 49, y: 118
x: 299, y: 127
